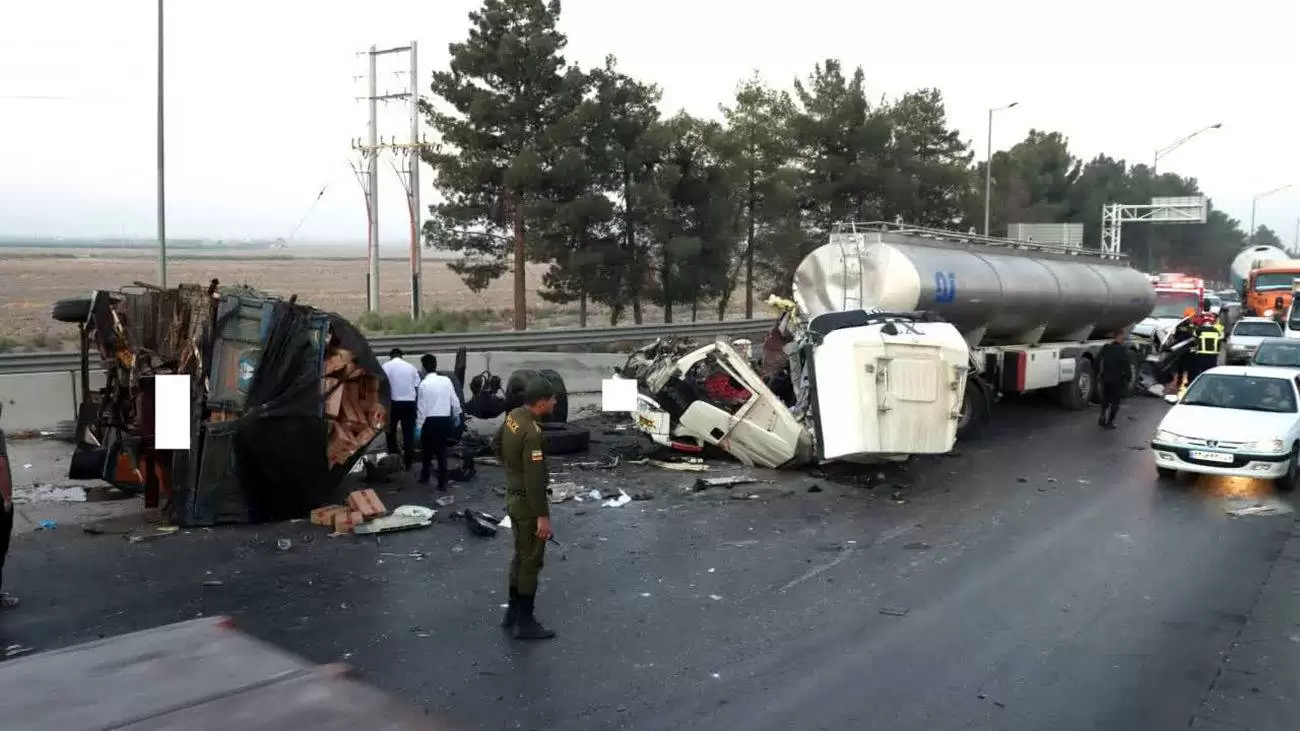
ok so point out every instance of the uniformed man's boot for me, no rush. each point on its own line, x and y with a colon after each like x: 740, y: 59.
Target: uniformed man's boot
x: 512, y: 610
x: 528, y: 628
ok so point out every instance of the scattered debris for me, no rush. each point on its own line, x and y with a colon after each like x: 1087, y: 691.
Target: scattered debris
x: 161, y: 532
x: 894, y: 611
x: 604, y: 464
x: 897, y: 498
x: 814, y: 488
x: 715, y: 597
x: 703, y: 483
x: 47, y: 524
x: 676, y: 466
x: 405, y: 517
x: 367, y: 503
x: 213, y: 583
x: 559, y: 492
x: 1243, y: 508
x: 642, y: 496
x: 503, y: 523
x: 1022, y: 479
x: 42, y: 493
x: 284, y: 544
x: 13, y: 651
x: 618, y: 502
x: 493, y: 461
x: 445, y: 500
x: 564, y: 552
x: 345, y: 521
x: 324, y: 515
x: 916, y: 546
x: 27, y: 466
x: 480, y: 524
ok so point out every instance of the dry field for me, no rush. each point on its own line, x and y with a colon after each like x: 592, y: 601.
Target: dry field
x: 30, y: 282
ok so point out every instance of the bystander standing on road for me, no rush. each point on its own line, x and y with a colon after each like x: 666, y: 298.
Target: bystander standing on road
x: 437, y: 410
x: 1115, y: 371
x: 520, y: 447
x: 403, y: 382
x: 6, y: 516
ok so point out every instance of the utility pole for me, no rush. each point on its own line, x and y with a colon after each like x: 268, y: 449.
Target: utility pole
x: 410, y: 180
x: 1254, y: 204
x: 988, y: 167
x: 162, y: 178
x: 372, y: 182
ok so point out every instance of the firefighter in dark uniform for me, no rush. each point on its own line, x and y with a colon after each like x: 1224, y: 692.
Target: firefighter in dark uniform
x: 519, y: 446
x: 1209, y: 343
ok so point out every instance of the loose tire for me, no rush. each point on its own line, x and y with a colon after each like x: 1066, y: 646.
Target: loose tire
x: 1075, y: 394
x: 75, y: 310
x: 519, y: 380
x: 560, y: 438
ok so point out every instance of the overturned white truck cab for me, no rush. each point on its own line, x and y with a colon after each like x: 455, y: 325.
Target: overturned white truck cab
x: 897, y: 341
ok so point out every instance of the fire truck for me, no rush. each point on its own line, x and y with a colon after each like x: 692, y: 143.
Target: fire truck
x: 1175, y: 295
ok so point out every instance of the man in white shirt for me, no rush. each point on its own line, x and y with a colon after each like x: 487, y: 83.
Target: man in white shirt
x: 403, y: 381
x: 438, y: 411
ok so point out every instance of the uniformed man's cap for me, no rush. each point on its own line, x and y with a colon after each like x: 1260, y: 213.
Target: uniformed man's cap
x: 538, y: 389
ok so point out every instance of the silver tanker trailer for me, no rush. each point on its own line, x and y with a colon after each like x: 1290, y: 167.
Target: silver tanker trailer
x: 897, y: 340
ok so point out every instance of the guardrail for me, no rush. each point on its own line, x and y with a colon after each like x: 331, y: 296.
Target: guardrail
x: 18, y: 363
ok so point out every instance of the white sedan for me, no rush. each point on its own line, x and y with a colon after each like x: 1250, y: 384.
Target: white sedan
x: 1240, y: 421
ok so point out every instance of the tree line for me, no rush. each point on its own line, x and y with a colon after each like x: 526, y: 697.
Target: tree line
x: 545, y: 162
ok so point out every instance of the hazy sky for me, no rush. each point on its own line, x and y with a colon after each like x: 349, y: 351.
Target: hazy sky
x: 261, y: 108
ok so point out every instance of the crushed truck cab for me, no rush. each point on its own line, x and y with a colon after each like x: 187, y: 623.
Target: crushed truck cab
x: 857, y: 385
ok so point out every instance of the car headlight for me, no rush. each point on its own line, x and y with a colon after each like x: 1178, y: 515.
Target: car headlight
x: 1270, y: 446
x: 1167, y: 437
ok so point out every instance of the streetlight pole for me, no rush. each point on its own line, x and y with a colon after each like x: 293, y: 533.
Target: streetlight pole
x: 162, y: 180
x: 988, y: 166
x: 1254, y: 204
x: 1155, y: 162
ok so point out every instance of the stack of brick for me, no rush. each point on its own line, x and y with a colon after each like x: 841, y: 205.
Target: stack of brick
x: 363, y: 505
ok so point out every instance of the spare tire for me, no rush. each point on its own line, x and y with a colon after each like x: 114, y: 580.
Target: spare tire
x: 519, y: 381
x: 75, y: 310
x: 559, y: 438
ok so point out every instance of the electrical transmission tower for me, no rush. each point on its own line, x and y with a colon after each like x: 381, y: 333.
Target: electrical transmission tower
x: 410, y: 178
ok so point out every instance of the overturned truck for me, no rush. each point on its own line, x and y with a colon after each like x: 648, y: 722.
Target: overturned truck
x: 284, y: 400
x: 898, y: 340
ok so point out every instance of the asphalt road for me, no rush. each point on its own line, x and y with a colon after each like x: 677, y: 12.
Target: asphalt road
x: 1040, y: 578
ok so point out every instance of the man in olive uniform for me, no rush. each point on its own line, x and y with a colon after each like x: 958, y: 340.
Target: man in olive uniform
x: 519, y: 446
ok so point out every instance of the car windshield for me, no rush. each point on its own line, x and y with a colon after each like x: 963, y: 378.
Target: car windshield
x: 1229, y: 297
x: 1243, y: 393
x: 1270, y: 281
x: 1285, y: 353
x: 1174, y: 304
x: 1258, y: 329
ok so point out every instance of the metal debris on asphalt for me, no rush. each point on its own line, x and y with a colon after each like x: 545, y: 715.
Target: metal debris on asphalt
x: 284, y: 544
x: 1244, y: 508
x: 814, y: 488
x: 917, y: 546
x: 444, y: 500
x: 704, y: 483
x: 894, y: 611
x: 560, y: 492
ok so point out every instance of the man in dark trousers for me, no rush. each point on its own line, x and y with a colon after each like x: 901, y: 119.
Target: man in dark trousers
x: 519, y: 445
x: 403, y: 380
x: 438, y: 411
x: 1114, y: 372
x: 1209, y: 344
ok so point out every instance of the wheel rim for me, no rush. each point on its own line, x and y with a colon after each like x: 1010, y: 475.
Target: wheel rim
x: 1085, y: 384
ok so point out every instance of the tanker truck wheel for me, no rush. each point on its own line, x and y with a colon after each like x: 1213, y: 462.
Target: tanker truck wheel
x: 975, y: 409
x: 1077, y: 393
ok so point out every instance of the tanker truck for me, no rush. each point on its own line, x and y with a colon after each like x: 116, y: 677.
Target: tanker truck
x: 1250, y: 259
x: 898, y: 340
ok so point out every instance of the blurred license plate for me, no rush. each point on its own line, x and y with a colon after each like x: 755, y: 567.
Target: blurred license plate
x: 1212, y: 456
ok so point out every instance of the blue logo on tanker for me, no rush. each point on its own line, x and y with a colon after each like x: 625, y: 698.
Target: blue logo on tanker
x: 945, y: 287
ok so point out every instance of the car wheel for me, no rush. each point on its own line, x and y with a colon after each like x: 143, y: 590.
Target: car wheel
x: 1286, y: 483
x: 519, y: 380
x: 1165, y: 474
x: 564, y: 438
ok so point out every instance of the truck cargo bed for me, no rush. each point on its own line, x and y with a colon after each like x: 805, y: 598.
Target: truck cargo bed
x: 200, y: 675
